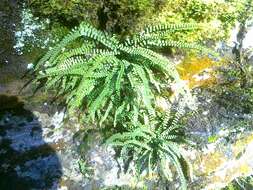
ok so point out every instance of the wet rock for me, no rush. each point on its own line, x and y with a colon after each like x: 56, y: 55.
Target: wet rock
x: 26, y: 160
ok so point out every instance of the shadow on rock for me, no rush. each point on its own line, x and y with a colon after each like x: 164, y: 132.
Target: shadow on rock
x: 26, y: 160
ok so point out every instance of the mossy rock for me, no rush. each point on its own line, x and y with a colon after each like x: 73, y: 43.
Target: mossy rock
x: 126, y: 17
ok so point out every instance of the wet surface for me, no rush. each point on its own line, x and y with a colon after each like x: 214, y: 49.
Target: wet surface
x: 12, y: 66
x: 26, y: 160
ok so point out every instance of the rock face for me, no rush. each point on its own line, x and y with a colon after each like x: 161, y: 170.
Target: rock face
x: 40, y: 151
x: 225, y: 140
x: 220, y: 164
x: 26, y: 160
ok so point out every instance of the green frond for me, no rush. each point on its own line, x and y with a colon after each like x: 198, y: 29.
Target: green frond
x: 85, y: 87
x: 51, y: 55
x: 152, y: 59
x: 108, y: 110
x: 95, y: 59
x: 87, y: 30
x: 78, y: 66
x: 51, y: 82
x: 103, y: 97
x: 145, y: 89
x: 119, y: 78
x: 177, y: 44
x: 146, y: 144
x: 171, y: 27
x: 175, y: 160
x: 118, y: 112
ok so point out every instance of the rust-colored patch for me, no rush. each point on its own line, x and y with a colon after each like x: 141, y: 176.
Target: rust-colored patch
x: 198, y: 71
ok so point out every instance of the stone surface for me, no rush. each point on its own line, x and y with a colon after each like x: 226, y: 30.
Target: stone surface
x: 224, y: 138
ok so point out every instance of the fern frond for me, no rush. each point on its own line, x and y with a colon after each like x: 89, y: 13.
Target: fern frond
x: 119, y: 78
x: 171, y: 27
x: 146, y: 144
x: 146, y: 91
x: 170, y: 43
x: 87, y: 30
x: 51, y: 55
x: 83, y: 50
x: 78, y: 66
x: 85, y: 87
x: 174, y: 159
x: 108, y: 110
x: 104, y: 95
x: 118, y: 112
x: 100, y: 53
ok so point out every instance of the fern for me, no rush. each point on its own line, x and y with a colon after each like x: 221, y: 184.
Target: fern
x: 116, y: 81
x: 105, y: 76
x: 153, y: 149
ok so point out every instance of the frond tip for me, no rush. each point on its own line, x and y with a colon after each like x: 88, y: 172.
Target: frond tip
x: 172, y: 27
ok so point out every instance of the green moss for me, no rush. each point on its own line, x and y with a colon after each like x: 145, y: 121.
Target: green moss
x: 126, y: 17
x: 114, y: 16
x: 212, y: 139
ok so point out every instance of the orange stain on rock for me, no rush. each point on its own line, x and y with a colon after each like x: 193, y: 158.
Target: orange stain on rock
x: 198, y: 71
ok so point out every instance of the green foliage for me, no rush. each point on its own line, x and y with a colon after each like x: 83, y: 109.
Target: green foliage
x: 245, y: 9
x: 240, y: 183
x: 212, y: 139
x: 119, y: 17
x: 126, y: 17
x: 85, y: 169
x: 220, y: 17
x: 109, y: 79
x: 115, y: 82
x: 70, y: 10
x: 154, y: 147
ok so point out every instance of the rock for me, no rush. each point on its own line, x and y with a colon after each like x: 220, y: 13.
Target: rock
x: 26, y: 160
x: 216, y: 168
x: 224, y: 138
